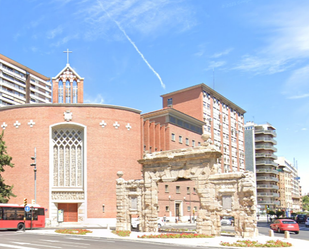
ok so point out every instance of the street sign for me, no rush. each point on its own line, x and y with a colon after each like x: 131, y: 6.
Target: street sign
x: 27, y: 208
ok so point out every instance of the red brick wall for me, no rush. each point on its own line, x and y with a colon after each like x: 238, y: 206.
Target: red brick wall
x: 190, y: 102
x: 108, y: 150
x: 168, y: 198
x: 178, y: 131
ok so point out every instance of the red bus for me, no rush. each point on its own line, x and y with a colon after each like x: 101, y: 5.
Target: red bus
x: 12, y: 217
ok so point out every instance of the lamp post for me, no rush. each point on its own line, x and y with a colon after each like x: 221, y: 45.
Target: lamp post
x: 34, y: 169
x: 169, y: 205
x: 190, y: 208
x: 184, y: 209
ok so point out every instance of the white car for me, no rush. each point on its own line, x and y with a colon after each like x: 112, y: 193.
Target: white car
x: 135, y: 223
x: 307, y: 222
x: 226, y: 222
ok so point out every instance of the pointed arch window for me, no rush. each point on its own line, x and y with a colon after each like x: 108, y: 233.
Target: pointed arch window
x: 68, y: 143
x: 75, y: 92
x: 60, y: 92
x: 67, y: 92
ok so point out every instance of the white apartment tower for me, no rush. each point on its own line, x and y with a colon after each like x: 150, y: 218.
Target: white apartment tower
x: 21, y: 85
x: 260, y: 156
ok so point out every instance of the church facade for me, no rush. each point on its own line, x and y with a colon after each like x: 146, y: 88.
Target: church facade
x: 79, y: 149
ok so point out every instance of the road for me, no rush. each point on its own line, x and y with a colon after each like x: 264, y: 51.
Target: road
x: 20, y: 240
x: 303, y: 233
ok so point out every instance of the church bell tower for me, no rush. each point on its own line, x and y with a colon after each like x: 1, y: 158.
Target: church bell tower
x: 68, y: 86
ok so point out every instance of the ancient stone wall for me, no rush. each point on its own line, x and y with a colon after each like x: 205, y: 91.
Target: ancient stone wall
x: 220, y: 194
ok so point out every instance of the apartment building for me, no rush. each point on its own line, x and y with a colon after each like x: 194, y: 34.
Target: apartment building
x: 260, y: 151
x: 223, y: 119
x: 21, y: 85
x: 289, y: 194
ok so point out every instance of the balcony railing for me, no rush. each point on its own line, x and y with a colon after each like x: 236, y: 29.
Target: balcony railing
x: 267, y: 178
x: 266, y: 140
x: 266, y: 162
x: 271, y: 132
x: 267, y: 194
x: 266, y: 155
x: 267, y: 171
x: 265, y: 186
x: 269, y: 202
x: 265, y: 147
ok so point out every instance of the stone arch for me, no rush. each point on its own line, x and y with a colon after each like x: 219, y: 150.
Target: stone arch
x: 219, y: 194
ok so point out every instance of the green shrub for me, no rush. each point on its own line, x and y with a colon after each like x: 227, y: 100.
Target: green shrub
x: 250, y: 243
x: 124, y: 233
x: 73, y: 231
x: 174, y: 236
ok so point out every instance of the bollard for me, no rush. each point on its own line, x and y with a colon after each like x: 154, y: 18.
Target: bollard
x: 286, y: 234
x: 271, y: 233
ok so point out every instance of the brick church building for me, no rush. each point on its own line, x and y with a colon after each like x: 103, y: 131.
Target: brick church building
x: 81, y: 147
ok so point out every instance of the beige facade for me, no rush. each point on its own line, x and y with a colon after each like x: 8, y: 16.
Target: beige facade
x: 288, y: 186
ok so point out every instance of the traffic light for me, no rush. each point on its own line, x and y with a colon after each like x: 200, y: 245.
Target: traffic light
x: 25, y: 201
x: 34, y: 159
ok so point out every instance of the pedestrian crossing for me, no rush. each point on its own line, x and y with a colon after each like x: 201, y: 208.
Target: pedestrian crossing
x: 22, y: 241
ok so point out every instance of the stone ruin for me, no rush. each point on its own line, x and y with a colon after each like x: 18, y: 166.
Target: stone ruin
x: 232, y: 194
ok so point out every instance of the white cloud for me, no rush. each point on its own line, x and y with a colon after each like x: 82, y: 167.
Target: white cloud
x: 286, y: 39
x: 297, y: 85
x: 262, y: 65
x: 304, y: 129
x: 51, y: 34
x: 65, y: 40
x: 147, y: 17
x: 225, y: 52
x: 215, y: 64
x: 94, y: 99
x: 302, y: 96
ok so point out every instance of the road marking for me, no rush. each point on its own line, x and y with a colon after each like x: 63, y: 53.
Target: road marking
x: 49, y: 240
x: 17, y: 247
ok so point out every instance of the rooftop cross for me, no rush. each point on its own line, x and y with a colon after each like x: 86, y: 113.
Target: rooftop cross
x: 67, y: 55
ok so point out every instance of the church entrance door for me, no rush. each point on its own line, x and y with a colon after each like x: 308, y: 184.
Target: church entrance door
x: 70, y: 213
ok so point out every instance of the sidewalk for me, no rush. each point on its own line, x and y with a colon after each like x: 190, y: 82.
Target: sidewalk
x: 207, y: 242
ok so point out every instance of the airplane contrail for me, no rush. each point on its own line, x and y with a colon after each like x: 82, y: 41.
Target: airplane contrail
x: 133, y: 44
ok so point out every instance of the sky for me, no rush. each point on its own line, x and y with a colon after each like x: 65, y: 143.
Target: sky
x: 253, y: 52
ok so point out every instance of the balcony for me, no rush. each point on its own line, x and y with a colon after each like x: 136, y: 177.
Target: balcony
x: 268, y: 132
x: 266, y: 162
x: 267, y: 178
x: 265, y: 147
x: 267, y: 194
x: 272, y: 171
x: 265, y: 140
x: 265, y: 186
x: 269, y: 202
x: 267, y: 155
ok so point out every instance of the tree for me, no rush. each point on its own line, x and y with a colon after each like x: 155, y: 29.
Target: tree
x: 5, y: 160
x: 306, y: 202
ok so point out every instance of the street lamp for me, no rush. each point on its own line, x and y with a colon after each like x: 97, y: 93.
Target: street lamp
x: 184, y: 209
x: 34, y: 165
x: 169, y: 205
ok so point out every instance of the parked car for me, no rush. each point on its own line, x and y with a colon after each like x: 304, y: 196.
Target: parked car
x: 301, y: 218
x: 227, y: 220
x: 135, y: 223
x: 307, y: 222
x: 281, y: 225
